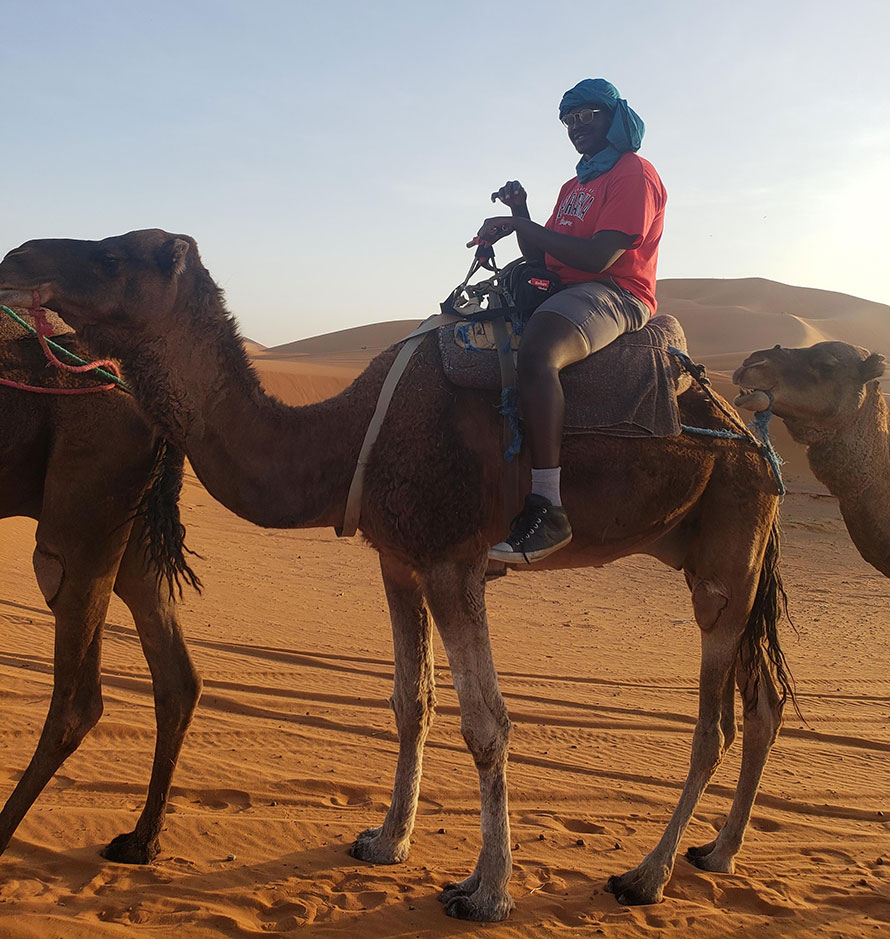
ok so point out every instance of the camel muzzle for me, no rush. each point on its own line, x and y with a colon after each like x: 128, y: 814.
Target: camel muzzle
x: 11, y: 296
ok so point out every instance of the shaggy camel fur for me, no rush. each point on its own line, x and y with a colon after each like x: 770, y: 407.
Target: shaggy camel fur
x: 82, y: 466
x: 829, y: 397
x: 431, y: 506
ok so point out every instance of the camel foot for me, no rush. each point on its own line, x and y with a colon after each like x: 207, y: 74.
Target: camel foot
x: 459, y: 888
x: 128, y: 849
x: 709, y: 858
x: 467, y: 900
x: 371, y: 846
x: 637, y: 887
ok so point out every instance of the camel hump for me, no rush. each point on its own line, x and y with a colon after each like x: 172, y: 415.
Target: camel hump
x: 629, y: 388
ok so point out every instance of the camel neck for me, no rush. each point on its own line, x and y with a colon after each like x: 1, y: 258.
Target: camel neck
x: 852, y: 457
x: 853, y: 461
x: 277, y: 466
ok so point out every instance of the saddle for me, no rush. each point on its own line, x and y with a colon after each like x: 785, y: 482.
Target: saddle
x: 627, y: 389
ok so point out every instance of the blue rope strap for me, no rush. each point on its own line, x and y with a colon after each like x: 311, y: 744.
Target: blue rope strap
x: 463, y: 330
x: 708, y: 432
x: 760, y: 426
x: 510, y: 410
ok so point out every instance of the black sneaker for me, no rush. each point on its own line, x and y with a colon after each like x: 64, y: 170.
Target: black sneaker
x: 538, y: 530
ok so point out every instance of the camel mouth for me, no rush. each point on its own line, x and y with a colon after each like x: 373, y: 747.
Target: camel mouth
x: 752, y: 399
x: 24, y: 297
x: 16, y: 296
x: 752, y: 395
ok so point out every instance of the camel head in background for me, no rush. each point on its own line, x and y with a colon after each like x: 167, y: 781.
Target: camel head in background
x: 820, y: 386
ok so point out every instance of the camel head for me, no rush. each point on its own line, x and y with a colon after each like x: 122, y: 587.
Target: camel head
x: 123, y: 280
x: 821, y: 386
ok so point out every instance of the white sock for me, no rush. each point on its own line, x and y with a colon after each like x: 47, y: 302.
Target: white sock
x: 545, y: 482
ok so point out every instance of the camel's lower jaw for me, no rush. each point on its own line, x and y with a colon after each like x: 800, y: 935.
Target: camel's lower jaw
x: 752, y: 400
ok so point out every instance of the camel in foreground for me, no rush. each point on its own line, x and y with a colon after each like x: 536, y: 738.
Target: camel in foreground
x: 830, y: 399
x: 431, y: 507
x: 104, y: 488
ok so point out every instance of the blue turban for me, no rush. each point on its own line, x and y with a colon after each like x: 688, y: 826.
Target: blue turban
x: 625, y: 132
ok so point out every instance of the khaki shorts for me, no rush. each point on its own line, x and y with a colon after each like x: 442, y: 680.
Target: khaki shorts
x: 600, y: 309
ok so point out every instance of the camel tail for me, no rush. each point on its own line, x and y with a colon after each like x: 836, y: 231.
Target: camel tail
x: 759, y: 646
x: 163, y: 531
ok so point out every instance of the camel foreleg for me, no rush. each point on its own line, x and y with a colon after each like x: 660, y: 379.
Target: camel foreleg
x: 456, y: 595
x: 79, y: 605
x: 413, y: 702
x: 176, y: 686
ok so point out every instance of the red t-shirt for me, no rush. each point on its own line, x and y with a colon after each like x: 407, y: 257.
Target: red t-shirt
x: 629, y: 198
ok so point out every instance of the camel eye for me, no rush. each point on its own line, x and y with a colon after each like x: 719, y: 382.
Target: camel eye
x: 825, y: 365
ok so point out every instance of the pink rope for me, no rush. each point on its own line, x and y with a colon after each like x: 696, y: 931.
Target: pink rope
x: 43, y: 330
x: 53, y: 391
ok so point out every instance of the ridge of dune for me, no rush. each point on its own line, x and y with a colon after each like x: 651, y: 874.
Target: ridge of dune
x: 356, y: 345
x: 761, y: 295
x: 252, y: 346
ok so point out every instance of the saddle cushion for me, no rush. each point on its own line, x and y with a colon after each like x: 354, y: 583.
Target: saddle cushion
x: 628, y: 389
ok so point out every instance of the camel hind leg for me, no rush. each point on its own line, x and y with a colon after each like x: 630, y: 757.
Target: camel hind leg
x: 176, y: 686
x: 413, y: 702
x: 763, y: 707
x: 724, y: 583
x: 761, y: 727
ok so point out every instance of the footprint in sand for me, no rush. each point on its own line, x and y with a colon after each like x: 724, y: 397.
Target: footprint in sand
x: 579, y: 825
x: 219, y: 800
x: 766, y: 824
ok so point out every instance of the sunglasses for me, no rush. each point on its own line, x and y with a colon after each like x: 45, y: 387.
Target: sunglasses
x: 584, y: 116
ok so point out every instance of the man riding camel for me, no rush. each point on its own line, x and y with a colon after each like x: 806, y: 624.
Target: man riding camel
x: 602, y: 242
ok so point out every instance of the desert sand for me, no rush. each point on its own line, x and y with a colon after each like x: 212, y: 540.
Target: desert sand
x: 293, y: 746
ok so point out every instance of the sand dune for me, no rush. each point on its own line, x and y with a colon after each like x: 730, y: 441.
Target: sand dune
x: 347, y: 347
x: 293, y: 747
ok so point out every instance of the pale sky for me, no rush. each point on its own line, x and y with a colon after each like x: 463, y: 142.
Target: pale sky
x: 332, y: 158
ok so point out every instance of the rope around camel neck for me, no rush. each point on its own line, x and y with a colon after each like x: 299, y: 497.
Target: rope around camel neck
x: 48, y: 345
x: 759, y: 436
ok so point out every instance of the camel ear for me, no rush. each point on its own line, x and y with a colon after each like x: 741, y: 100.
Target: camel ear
x: 872, y: 367
x: 173, y: 256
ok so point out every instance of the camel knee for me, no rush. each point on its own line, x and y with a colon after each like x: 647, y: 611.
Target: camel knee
x: 709, y: 746
x: 72, y: 718
x: 708, y: 601
x: 50, y: 572
x: 486, y: 737
x: 764, y: 718
x: 728, y: 728
x: 414, y: 712
x: 727, y: 714
x: 175, y: 701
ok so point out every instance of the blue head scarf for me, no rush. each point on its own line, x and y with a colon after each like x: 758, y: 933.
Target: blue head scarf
x: 625, y: 133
